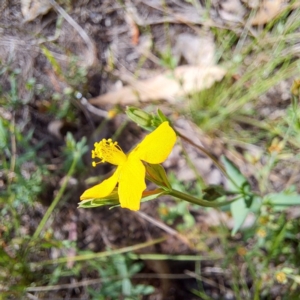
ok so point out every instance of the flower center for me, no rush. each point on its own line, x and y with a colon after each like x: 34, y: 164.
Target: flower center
x: 108, y: 151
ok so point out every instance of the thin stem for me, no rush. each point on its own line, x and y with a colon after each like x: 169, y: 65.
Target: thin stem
x: 222, y: 169
x: 204, y: 151
x: 16, y: 219
x: 165, y: 227
x: 257, y: 288
x: 119, y: 130
x: 201, y: 202
x: 192, y: 166
x: 90, y: 256
x: 79, y: 29
x: 267, y: 127
x: 56, y: 199
x: 12, y: 130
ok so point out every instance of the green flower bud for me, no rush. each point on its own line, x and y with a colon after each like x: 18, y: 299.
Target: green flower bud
x: 140, y: 117
x: 145, y: 120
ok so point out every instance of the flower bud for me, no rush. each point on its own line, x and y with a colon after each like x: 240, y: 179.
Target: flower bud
x: 140, y: 117
x: 145, y: 120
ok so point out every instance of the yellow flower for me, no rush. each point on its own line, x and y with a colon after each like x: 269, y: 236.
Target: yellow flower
x: 242, y: 251
x: 261, y: 233
x: 281, y: 277
x: 276, y: 146
x: 112, y: 113
x: 130, y: 173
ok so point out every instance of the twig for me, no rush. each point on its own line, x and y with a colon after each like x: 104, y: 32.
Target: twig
x: 165, y: 228
x: 89, y: 256
x: 180, y: 18
x: 91, y: 108
x: 79, y: 29
x: 100, y: 280
x: 32, y: 297
x: 56, y: 200
x: 208, y: 281
x: 206, y: 152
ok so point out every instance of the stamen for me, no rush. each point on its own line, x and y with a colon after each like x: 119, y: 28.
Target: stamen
x: 108, y: 151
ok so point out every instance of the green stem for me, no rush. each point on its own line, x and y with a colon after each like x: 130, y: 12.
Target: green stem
x: 202, y: 149
x: 119, y: 130
x: 192, y: 166
x: 56, y: 199
x: 257, y: 289
x: 91, y: 256
x: 216, y: 162
x: 15, y: 218
x: 265, y: 126
x: 198, y: 201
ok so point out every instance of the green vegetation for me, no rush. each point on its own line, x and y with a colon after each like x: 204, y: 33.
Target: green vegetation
x: 250, y: 251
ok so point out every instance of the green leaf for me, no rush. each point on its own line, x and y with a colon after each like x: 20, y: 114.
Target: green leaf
x: 240, y: 209
x: 141, y: 289
x: 162, y: 116
x: 214, y: 192
x: 54, y: 63
x: 120, y: 264
x: 256, y: 204
x: 238, y: 181
x: 239, y: 212
x: 282, y: 201
x: 3, y: 135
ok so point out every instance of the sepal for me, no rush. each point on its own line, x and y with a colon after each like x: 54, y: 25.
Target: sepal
x: 113, y: 199
x: 157, y: 174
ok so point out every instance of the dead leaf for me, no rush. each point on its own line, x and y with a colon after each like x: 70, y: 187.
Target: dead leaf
x: 201, y: 49
x: 232, y: 10
x: 169, y: 86
x: 268, y: 10
x: 33, y: 8
x: 252, y: 4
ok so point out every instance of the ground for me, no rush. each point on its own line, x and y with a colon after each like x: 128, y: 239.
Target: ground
x: 72, y: 67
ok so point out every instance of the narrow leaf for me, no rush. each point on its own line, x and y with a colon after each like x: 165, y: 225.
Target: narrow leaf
x: 282, y: 201
x: 234, y: 173
x: 239, y: 212
x: 54, y: 63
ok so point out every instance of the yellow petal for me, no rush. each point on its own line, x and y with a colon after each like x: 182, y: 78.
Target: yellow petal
x: 103, y: 189
x: 131, y: 183
x: 156, y: 146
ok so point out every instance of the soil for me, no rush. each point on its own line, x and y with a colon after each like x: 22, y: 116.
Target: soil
x: 113, y: 46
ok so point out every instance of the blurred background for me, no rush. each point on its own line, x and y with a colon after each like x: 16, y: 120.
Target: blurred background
x: 226, y: 74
